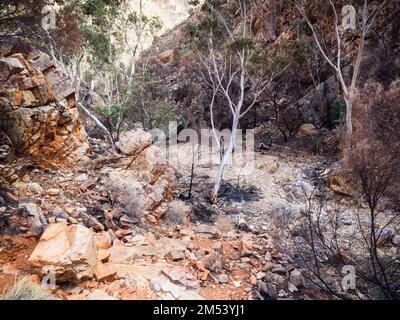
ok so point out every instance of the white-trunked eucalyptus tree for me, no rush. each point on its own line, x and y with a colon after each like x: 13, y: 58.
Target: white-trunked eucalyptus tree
x: 365, y: 22
x: 233, y: 69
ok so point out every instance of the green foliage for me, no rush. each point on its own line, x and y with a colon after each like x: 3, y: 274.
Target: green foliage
x: 211, y: 25
x: 163, y: 112
x: 111, y: 111
x: 289, y: 52
x: 240, y: 43
x: 317, y: 142
x: 336, y: 110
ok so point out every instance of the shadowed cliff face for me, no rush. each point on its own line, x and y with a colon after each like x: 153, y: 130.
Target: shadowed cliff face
x: 38, y: 110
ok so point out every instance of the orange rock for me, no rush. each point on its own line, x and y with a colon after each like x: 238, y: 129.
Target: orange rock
x: 105, y: 272
x: 103, y: 240
x: 34, y: 278
x: 103, y: 255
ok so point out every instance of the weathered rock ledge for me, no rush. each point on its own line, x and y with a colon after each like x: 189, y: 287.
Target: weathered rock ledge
x: 38, y: 110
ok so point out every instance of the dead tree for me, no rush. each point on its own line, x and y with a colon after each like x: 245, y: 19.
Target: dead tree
x: 230, y: 76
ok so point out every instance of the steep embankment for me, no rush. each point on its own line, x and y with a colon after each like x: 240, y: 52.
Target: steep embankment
x: 279, y: 24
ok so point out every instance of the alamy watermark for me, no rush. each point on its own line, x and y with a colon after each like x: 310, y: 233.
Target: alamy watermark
x: 349, y: 278
x: 349, y: 18
x: 49, y: 18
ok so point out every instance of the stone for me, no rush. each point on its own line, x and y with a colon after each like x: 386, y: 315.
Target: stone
x: 396, y: 240
x: 35, y: 187
x: 267, y: 290
x: 128, y: 221
x: 69, y: 250
x: 260, y: 275
x: 177, y: 255
x: 306, y: 130
x: 53, y: 192
x: 9, y: 66
x: 299, y: 241
x: 223, y: 278
x: 161, y: 284
x: 180, y: 277
x: 207, y: 229
x: 59, y: 213
x: 341, y: 181
x: 385, y: 237
x: 217, y: 246
x: 286, y: 213
x: 177, y: 213
x: 103, y: 255
x: 140, y: 191
x: 38, y: 109
x: 103, y: 240
x: 296, y: 278
x: 41, y: 61
x: 99, y: 295
x: 133, y: 142
x: 105, y: 272
x: 39, y: 218
x: 82, y: 177
x: 123, y: 254
x: 245, y: 248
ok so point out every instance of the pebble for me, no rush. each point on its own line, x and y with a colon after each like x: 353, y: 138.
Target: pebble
x: 177, y: 255
x: 81, y: 178
x: 35, y: 187
x: 223, y: 278
x: 296, y: 278
x: 260, y: 275
x: 53, y: 192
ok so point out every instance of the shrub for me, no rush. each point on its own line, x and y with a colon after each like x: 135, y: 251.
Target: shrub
x: 24, y: 289
x: 336, y: 111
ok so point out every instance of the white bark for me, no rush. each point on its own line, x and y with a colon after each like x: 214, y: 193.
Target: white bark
x: 366, y: 23
x: 222, y: 74
x: 98, y: 123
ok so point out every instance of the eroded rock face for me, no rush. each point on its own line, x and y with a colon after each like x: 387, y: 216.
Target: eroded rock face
x: 38, y: 109
x: 68, y: 251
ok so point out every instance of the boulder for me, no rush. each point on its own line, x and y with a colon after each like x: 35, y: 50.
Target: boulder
x: 143, y: 187
x: 306, y: 130
x: 133, y: 142
x: 296, y: 278
x: 70, y: 251
x: 38, y: 218
x: 341, y: 180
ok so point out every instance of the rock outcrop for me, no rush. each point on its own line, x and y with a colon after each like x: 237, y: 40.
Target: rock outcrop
x: 147, y: 181
x: 38, y: 109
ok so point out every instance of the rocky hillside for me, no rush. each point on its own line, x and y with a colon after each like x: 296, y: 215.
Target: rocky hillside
x: 82, y: 219
x: 279, y: 23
